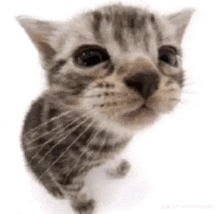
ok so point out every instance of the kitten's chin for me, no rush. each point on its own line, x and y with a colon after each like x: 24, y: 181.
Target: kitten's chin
x: 128, y: 122
x: 138, y: 118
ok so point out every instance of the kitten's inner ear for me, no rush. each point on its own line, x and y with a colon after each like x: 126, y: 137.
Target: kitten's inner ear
x: 180, y: 21
x: 40, y: 33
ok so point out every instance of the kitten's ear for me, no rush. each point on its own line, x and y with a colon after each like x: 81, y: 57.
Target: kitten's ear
x: 180, y: 21
x: 40, y: 33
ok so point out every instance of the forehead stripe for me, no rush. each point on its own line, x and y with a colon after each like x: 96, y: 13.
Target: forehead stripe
x: 156, y: 29
x: 118, y: 31
x: 97, y: 19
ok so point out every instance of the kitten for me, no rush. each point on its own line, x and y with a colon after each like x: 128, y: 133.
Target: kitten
x: 110, y: 72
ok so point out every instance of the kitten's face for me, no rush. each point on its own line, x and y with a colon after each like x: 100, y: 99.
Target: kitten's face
x: 122, y: 64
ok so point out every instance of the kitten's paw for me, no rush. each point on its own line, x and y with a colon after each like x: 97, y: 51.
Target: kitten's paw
x: 56, y: 192
x: 85, y: 207
x: 121, y: 170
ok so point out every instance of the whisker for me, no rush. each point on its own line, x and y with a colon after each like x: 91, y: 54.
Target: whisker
x: 115, y: 103
x: 174, y: 99
x: 61, y: 155
x: 186, y: 84
x: 84, y: 152
x: 188, y: 81
x: 46, y: 123
x: 87, y: 149
x: 189, y: 92
x: 184, y: 101
x: 98, y: 95
x: 55, y: 182
x: 104, y: 142
x: 55, y: 135
x: 81, y: 35
x: 167, y: 90
x: 105, y: 94
x: 45, y: 133
x: 54, y: 146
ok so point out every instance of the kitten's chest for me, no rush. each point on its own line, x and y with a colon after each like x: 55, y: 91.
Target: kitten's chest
x: 94, y: 144
x: 54, y: 136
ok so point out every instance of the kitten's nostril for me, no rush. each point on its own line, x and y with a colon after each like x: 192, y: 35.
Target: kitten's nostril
x: 146, y: 83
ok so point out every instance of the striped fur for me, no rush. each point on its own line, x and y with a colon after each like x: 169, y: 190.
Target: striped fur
x: 88, y: 115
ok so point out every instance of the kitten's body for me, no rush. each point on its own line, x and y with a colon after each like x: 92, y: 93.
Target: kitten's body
x: 72, y: 144
x: 110, y: 72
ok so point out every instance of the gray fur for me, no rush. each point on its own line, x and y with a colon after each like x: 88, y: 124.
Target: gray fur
x: 86, y: 116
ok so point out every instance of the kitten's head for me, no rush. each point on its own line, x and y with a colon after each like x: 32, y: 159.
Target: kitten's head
x: 121, y: 64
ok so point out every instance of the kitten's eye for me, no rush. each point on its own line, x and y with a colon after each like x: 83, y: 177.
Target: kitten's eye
x: 168, y: 55
x: 90, y: 55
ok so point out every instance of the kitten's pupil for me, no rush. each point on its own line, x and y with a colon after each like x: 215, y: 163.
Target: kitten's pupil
x: 89, y: 56
x: 168, y: 55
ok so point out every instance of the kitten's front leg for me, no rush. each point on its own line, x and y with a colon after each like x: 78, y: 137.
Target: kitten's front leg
x: 79, y: 197
x: 118, y: 168
x: 81, y: 202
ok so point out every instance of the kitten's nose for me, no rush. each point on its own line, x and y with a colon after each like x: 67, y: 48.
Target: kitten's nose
x: 146, y: 83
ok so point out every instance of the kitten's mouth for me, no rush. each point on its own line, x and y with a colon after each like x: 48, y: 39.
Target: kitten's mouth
x: 143, y: 109
x: 139, y: 117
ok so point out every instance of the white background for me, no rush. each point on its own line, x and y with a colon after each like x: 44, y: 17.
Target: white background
x: 175, y: 162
